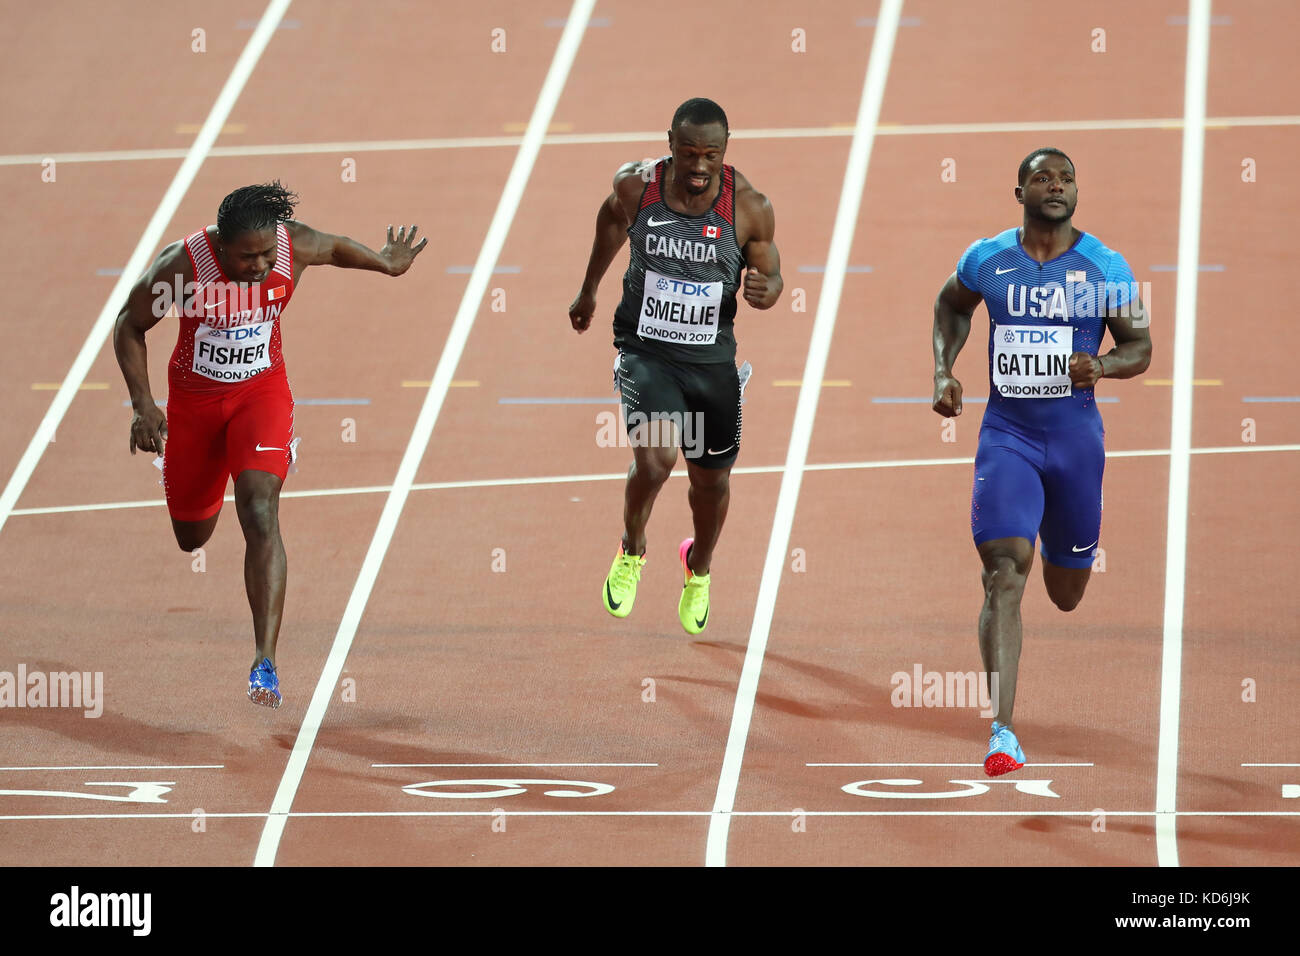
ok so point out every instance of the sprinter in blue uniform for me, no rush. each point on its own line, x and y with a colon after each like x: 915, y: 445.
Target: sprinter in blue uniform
x: 1051, y: 292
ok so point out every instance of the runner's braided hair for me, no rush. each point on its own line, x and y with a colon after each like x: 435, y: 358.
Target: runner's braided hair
x: 254, y: 208
x: 1029, y: 161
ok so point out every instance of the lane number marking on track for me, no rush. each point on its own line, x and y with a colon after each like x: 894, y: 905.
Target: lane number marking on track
x: 1037, y: 788
x: 144, y: 791
x: 508, y: 787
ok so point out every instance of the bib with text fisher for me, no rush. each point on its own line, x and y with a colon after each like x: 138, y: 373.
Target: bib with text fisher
x: 678, y: 310
x: 232, y: 355
x: 1032, y: 361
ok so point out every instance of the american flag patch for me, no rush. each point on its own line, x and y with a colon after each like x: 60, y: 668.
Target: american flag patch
x: 710, y: 232
x: 1077, y: 276
x: 278, y: 293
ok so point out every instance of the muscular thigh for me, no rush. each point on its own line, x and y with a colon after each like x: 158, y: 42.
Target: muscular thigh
x: 194, y: 459
x: 260, y: 431
x: 654, y: 405
x: 1071, y: 527
x: 1007, y: 492
x: 713, y: 394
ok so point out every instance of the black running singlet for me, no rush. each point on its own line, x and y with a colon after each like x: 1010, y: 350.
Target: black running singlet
x: 679, y: 292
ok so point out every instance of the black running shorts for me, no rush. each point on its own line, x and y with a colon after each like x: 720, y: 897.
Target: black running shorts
x: 702, y: 401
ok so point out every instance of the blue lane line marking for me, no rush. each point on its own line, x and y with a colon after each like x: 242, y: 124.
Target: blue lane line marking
x: 908, y: 400
x: 1205, y: 268
x: 499, y: 270
x: 1266, y: 398
x: 561, y: 22
x: 612, y: 400
x: 109, y: 272
x: 846, y: 268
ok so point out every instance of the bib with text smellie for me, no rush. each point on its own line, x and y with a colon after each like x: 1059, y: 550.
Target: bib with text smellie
x: 678, y: 310
x: 1032, y: 361
x: 232, y: 355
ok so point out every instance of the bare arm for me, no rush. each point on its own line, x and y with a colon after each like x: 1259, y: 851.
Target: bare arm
x: 952, y: 314
x: 611, y: 232
x: 763, y: 282
x: 1129, y: 326
x: 149, y: 300
x: 314, y: 248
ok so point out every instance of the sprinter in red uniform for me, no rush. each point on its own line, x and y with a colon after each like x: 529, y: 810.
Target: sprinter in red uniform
x: 229, y: 408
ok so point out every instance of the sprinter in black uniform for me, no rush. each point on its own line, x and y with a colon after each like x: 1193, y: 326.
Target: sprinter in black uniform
x: 700, y: 233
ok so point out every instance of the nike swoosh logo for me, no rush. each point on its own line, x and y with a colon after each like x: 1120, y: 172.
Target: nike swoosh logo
x: 268, y: 448
x: 1004, y: 271
x: 610, y: 598
x: 1086, y: 547
x: 666, y: 222
x: 699, y: 622
x: 724, y: 451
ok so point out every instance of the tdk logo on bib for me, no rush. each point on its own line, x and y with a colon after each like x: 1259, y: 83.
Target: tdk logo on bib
x: 685, y: 288
x: 1024, y: 336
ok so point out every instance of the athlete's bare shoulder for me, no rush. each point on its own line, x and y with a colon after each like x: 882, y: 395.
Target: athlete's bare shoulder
x: 631, y: 178
x: 172, y: 261
x: 754, y: 215
x: 749, y: 197
x: 298, y: 231
x: 630, y: 182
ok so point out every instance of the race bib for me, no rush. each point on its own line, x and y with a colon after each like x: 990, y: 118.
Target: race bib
x: 1032, y: 361
x: 232, y: 355
x: 678, y: 310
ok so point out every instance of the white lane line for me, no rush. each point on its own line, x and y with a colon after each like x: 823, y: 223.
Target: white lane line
x: 622, y: 475
x: 197, y: 766
x: 647, y: 136
x: 939, y: 765
x: 349, y: 814
x: 514, y: 765
x: 837, y: 259
x: 1180, y: 430
x: 1271, y: 765
x: 140, y: 258
x: 511, y: 195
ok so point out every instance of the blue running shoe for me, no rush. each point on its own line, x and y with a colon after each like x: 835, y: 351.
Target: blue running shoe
x: 264, y: 684
x: 1004, y: 753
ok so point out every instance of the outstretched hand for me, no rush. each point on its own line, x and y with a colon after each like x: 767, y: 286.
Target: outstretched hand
x: 399, y: 252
